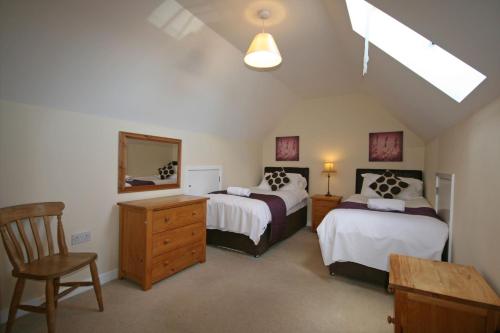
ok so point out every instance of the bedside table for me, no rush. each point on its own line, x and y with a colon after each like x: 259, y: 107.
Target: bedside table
x: 321, y: 205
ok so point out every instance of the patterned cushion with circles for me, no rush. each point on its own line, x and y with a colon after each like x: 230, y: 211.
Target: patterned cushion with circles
x: 168, y: 170
x: 388, y: 185
x: 277, y: 179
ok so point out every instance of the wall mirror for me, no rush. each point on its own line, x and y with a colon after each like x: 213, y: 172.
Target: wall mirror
x: 147, y: 163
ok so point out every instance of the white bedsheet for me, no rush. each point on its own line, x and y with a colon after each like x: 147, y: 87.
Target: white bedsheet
x: 368, y: 237
x: 248, y: 216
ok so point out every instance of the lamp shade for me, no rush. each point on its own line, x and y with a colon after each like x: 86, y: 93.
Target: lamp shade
x: 263, y: 52
x: 328, y: 167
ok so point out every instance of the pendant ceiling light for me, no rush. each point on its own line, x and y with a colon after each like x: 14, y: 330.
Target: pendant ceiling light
x: 263, y: 52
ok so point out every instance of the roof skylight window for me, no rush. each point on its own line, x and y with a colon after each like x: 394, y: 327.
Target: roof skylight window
x: 434, y: 64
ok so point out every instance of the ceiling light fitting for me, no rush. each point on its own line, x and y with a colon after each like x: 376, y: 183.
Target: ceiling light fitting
x: 263, y: 52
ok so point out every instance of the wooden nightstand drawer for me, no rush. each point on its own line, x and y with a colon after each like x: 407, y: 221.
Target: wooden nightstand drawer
x: 321, y: 206
x: 319, y: 216
x: 322, y: 210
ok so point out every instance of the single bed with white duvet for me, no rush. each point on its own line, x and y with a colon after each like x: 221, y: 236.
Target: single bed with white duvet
x: 249, y: 216
x: 367, y: 237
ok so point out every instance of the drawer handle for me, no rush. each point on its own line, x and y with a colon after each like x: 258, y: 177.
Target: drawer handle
x: 167, y: 219
x: 391, y: 320
x: 166, y: 241
x: 193, y: 213
x: 193, y: 233
x: 165, y: 263
x: 193, y: 252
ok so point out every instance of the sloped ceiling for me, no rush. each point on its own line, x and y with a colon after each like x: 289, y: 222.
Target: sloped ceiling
x: 118, y: 58
x: 121, y: 58
x: 323, y: 56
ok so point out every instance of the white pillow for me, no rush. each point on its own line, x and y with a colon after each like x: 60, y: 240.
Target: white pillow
x: 390, y: 205
x: 297, y: 182
x: 366, y: 191
x: 415, y: 190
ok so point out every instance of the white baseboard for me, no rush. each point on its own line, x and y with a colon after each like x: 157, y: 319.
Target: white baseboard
x: 103, y: 277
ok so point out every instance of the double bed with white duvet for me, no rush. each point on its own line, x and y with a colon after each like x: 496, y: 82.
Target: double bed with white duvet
x: 358, y: 240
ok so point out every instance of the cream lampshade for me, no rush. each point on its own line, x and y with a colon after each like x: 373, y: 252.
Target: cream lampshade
x: 263, y: 52
x: 328, y: 168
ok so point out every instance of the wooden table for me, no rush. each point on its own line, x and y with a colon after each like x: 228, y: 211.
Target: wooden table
x: 433, y: 296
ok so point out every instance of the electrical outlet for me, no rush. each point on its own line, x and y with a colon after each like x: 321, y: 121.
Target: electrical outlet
x: 82, y: 237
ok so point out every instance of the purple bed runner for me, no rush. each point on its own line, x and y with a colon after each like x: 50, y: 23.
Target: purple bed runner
x: 278, y: 213
x: 136, y: 182
x: 424, y: 211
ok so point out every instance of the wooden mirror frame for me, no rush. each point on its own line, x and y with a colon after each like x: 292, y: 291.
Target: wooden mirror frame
x: 122, y: 162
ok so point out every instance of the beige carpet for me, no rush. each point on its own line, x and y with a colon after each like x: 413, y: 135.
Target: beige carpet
x: 288, y: 289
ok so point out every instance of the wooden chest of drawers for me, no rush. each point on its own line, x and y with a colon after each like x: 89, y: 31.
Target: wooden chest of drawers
x: 160, y: 237
x: 321, y: 205
x: 435, y: 297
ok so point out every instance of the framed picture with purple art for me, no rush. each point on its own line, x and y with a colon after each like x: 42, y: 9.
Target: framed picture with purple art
x: 287, y: 148
x: 386, y: 147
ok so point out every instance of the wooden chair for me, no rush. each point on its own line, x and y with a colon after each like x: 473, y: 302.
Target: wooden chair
x: 49, y: 266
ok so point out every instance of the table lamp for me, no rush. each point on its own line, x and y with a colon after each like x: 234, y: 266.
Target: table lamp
x: 328, y: 168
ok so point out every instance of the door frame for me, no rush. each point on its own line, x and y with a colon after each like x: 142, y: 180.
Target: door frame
x: 451, y: 179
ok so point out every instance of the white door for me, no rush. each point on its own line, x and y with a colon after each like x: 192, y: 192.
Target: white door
x: 203, y: 180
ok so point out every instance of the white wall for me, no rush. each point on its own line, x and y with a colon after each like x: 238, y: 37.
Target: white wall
x: 337, y: 129
x: 73, y: 157
x: 471, y: 150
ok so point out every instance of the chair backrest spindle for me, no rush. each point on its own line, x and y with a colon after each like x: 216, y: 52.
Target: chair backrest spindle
x: 24, y: 238
x: 48, y: 232
x: 12, y: 251
x: 61, y: 239
x: 36, y: 236
x: 15, y: 242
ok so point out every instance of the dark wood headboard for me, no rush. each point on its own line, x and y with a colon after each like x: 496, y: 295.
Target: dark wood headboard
x: 400, y: 173
x: 303, y: 171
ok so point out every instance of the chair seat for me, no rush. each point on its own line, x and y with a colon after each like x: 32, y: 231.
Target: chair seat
x: 55, y: 266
